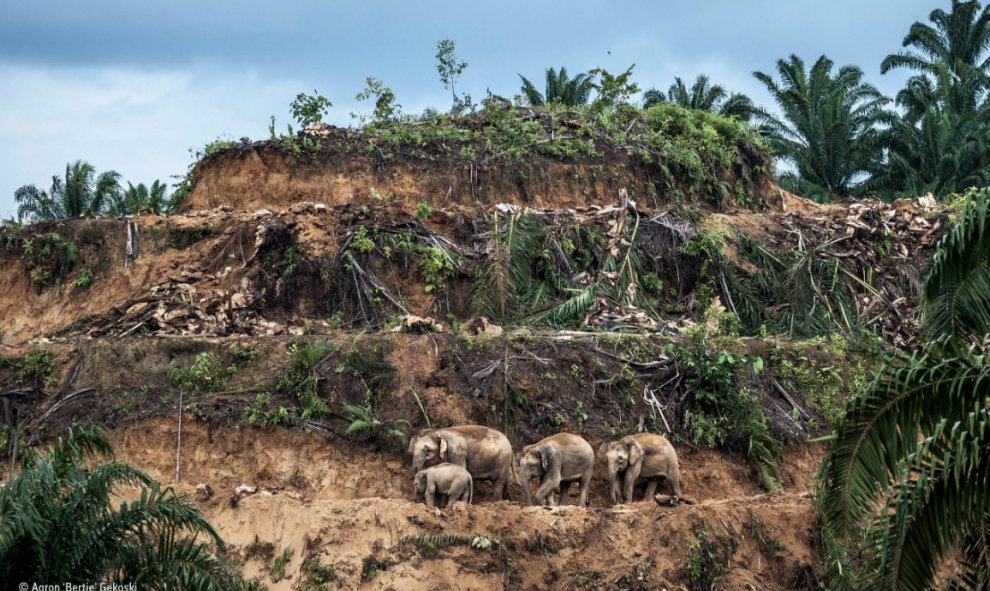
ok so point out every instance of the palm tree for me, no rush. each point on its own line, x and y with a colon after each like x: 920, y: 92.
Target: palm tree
x: 559, y: 89
x: 829, y: 126
x: 932, y: 147
x: 959, y: 42
x: 940, y: 144
x: 58, y: 523
x: 703, y: 96
x: 154, y: 198
x: 910, y: 465
x: 81, y: 192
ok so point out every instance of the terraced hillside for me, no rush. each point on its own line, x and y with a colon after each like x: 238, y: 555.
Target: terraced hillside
x: 321, y: 298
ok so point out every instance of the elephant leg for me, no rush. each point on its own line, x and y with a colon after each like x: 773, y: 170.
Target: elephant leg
x: 565, y: 488
x: 583, y: 494
x: 500, y: 488
x: 431, y: 494
x: 550, y: 483
x: 675, y: 483
x: 548, y: 500
x: 651, y: 488
x: 456, y: 494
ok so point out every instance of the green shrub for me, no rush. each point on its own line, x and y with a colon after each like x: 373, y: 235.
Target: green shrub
x: 48, y: 257
x: 316, y: 576
x: 706, y: 563
x: 85, y: 279
x: 723, y: 413
x: 218, y: 145
x: 301, y: 379
x: 35, y: 367
x: 308, y: 109
x: 206, y: 374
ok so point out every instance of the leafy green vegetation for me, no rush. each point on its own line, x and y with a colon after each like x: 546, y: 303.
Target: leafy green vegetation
x: 450, y: 67
x: 904, y: 487
x: 34, y: 368
x: 703, y: 96
x: 206, y: 374
x: 560, y: 88
x: 721, y: 412
x: 364, y: 422
x: 48, y: 257
x: 85, y: 279
x: 154, y: 199
x: 80, y: 192
x: 826, y: 383
x: 218, y: 145
x: 316, y: 576
x: 707, y: 562
x: 830, y: 128
x: 301, y: 378
x: 60, y: 521
x: 277, y: 570
x: 309, y: 109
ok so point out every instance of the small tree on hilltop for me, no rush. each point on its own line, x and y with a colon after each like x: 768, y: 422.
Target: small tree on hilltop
x: 613, y: 89
x: 308, y: 109
x: 386, y: 109
x: 450, y: 67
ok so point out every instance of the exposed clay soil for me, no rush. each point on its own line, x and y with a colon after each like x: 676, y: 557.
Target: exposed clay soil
x: 347, y: 506
x: 264, y: 177
x: 215, y: 277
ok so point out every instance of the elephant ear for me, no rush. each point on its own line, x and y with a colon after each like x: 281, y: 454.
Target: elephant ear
x: 421, y: 479
x: 443, y: 448
x: 543, y: 458
x: 412, y: 445
x: 635, y: 452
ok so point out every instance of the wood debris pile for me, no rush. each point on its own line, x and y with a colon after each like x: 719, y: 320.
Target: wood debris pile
x: 194, y: 303
x: 885, y: 248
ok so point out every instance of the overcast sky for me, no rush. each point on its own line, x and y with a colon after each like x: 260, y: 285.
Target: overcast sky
x: 133, y: 85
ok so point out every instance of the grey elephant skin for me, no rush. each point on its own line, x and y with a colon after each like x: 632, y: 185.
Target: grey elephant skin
x: 443, y: 480
x: 643, y: 456
x: 484, y: 452
x: 557, y: 461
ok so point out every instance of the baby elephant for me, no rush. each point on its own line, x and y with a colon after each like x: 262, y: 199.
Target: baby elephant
x: 443, y: 480
x: 643, y: 456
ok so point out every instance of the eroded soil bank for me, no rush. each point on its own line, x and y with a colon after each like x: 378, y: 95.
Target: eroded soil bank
x: 345, y: 515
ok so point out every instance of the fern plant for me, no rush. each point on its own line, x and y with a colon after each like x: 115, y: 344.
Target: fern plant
x: 364, y: 422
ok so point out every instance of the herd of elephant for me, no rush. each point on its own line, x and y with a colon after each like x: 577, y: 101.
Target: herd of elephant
x: 448, y: 462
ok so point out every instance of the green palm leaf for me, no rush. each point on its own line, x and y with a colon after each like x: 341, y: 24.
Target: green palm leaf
x: 58, y: 523
x: 956, y: 292
x: 911, y: 460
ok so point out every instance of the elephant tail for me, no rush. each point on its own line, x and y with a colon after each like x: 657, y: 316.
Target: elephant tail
x: 512, y: 468
x: 471, y: 491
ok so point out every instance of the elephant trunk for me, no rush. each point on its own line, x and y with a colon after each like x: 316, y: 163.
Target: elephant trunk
x: 525, y: 486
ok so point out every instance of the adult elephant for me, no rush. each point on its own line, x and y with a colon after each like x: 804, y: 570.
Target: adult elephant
x: 643, y: 456
x: 557, y: 461
x: 484, y: 452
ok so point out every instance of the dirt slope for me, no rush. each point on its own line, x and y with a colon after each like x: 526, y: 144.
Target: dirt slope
x: 263, y: 177
x: 326, y: 253
x: 348, y: 507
